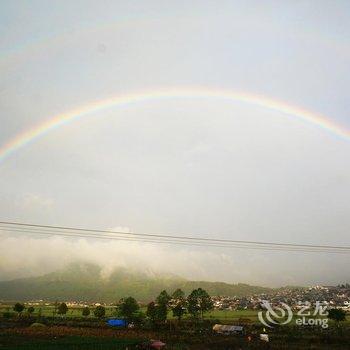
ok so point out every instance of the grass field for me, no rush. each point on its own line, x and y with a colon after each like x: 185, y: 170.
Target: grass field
x: 224, y: 316
x: 111, y: 311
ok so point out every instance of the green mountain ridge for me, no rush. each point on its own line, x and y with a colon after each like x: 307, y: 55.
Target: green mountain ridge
x: 85, y: 282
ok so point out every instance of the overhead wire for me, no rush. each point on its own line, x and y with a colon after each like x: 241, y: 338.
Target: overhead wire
x: 73, y: 232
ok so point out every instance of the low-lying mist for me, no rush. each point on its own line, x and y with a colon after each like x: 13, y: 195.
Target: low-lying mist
x: 32, y: 256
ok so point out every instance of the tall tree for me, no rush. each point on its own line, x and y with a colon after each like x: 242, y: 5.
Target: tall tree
x: 151, y: 312
x: 62, y: 309
x: 86, y: 311
x: 128, y: 308
x: 178, y: 304
x: 199, y: 302
x: 100, y: 311
x: 19, y: 308
x: 337, y: 315
x: 162, y: 302
x: 163, y: 298
x: 161, y: 312
x: 157, y: 313
x: 178, y: 311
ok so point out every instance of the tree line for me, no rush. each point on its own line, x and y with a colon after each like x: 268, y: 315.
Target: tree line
x: 196, y: 304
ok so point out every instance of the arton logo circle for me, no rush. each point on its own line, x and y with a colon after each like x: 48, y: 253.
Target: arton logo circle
x: 275, y: 316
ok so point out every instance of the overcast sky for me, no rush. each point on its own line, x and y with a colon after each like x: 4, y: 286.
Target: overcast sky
x: 205, y: 167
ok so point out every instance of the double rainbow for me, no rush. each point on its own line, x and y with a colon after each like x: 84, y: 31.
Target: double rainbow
x: 28, y: 136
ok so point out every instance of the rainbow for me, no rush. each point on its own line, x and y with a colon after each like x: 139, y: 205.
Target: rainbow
x: 59, y: 120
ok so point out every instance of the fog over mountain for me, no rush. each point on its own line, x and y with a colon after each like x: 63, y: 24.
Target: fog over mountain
x: 84, y: 281
x: 26, y: 257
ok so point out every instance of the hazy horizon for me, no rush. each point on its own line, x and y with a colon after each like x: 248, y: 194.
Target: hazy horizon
x: 106, y: 272
x: 206, y: 167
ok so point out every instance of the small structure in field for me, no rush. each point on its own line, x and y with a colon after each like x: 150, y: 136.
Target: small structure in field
x: 264, y: 337
x: 115, y: 322
x: 228, y: 329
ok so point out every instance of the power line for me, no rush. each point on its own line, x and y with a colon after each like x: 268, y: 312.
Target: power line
x: 167, y: 239
x: 177, y: 242
x: 171, y: 236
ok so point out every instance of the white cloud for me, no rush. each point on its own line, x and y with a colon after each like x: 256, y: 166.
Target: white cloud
x: 25, y: 256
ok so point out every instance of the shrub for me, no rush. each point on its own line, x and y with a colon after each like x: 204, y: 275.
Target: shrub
x: 100, y: 311
x: 18, y: 307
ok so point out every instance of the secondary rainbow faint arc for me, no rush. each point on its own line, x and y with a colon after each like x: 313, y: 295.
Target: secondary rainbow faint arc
x: 24, y: 138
